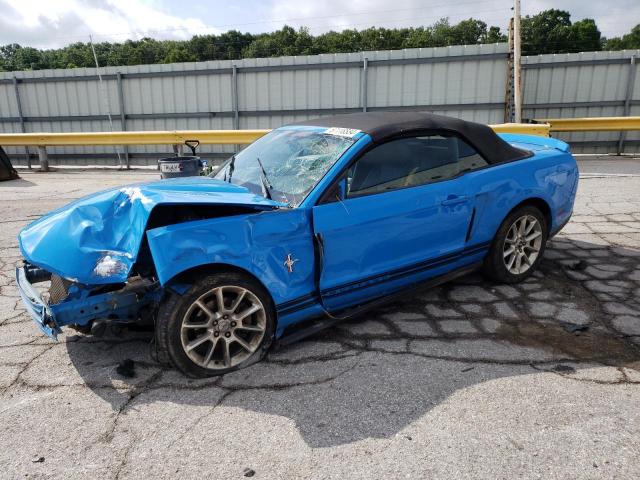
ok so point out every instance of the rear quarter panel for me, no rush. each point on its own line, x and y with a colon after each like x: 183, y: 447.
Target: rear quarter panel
x: 550, y: 175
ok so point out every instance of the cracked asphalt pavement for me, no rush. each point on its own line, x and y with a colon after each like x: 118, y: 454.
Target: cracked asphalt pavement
x: 468, y: 380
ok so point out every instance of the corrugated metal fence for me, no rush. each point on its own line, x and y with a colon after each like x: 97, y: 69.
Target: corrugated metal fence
x: 591, y: 84
x: 464, y: 81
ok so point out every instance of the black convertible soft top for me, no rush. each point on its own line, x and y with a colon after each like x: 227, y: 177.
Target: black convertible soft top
x: 382, y: 126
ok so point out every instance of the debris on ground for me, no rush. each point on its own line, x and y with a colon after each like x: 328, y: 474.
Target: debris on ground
x: 467, y: 369
x: 38, y: 460
x: 574, y: 327
x: 126, y: 368
x: 98, y: 328
x: 578, y: 266
x: 564, y: 369
x: 248, y: 472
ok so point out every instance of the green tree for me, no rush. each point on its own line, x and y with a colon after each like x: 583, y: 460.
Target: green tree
x: 468, y: 32
x: 551, y: 31
x: 630, y: 41
x: 585, y: 36
x: 545, y: 32
x: 76, y: 55
x: 204, y: 47
x: 29, y: 58
x: 441, y: 33
x: 232, y: 43
x: 179, y: 53
x: 418, y: 38
x: 494, y: 35
x: 8, y: 55
x: 304, y: 43
x: 338, y: 42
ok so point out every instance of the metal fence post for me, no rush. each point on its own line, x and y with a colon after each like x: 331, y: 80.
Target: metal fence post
x: 364, y: 84
x: 22, y: 127
x: 44, y: 159
x: 123, y: 117
x: 234, y: 94
x: 234, y: 101
x: 631, y: 80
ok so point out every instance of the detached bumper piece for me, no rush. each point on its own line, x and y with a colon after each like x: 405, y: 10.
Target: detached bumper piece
x: 40, y: 312
x: 69, y: 303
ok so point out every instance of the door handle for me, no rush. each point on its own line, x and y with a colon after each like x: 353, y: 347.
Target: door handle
x: 454, y: 200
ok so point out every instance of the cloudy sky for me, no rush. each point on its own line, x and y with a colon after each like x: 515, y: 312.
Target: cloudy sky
x: 55, y: 23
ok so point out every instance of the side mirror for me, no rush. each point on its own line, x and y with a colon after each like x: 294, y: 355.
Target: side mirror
x: 342, y: 189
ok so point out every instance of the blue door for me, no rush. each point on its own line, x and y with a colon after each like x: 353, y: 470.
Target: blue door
x: 403, y: 219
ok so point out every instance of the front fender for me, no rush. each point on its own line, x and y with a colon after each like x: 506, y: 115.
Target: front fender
x: 258, y: 243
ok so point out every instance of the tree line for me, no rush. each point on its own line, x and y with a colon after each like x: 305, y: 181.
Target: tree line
x: 550, y: 31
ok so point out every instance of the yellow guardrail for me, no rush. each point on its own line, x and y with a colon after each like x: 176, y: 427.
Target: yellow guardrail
x: 220, y: 137
x: 178, y: 137
x: 593, y: 124
x: 543, y: 127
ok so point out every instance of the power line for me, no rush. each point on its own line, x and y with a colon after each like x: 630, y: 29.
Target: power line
x: 105, y: 94
x: 299, y: 19
x: 221, y: 42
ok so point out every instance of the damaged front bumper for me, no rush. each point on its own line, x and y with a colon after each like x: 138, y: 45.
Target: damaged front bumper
x: 81, y: 304
x: 40, y: 312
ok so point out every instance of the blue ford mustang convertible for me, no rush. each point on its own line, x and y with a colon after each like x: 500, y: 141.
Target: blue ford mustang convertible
x: 311, y: 224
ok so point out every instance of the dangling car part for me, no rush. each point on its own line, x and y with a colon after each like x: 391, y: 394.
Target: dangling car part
x: 7, y: 172
x: 306, y: 226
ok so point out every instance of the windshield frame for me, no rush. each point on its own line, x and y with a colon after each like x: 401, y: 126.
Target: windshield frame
x: 356, y: 137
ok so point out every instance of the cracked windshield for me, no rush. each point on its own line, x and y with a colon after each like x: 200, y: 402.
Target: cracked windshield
x: 285, y: 164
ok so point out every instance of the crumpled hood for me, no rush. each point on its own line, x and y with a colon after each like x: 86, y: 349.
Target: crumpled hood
x: 95, y: 240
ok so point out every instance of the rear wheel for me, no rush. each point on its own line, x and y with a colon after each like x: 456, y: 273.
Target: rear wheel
x: 224, y: 322
x: 518, y: 246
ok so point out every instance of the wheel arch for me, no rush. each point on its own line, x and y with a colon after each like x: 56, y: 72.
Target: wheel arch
x: 494, y: 262
x: 188, y: 277
x: 540, y: 204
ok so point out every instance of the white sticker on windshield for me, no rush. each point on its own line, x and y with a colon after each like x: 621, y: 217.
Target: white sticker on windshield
x: 342, y: 132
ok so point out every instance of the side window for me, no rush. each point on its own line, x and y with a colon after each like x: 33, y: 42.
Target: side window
x: 409, y: 162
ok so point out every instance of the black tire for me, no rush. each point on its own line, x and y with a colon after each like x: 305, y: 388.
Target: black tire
x: 494, y: 263
x: 172, y: 315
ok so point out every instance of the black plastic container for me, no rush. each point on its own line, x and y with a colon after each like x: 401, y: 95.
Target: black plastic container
x: 179, y: 166
x: 172, y: 167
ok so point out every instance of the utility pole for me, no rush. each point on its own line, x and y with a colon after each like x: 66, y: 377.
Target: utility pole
x: 508, y: 89
x: 517, y: 85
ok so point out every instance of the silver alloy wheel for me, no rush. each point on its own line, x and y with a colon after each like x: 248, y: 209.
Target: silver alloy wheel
x: 223, y: 327
x: 522, y: 244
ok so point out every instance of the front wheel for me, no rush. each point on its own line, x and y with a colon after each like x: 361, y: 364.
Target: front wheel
x: 518, y: 246
x: 222, y: 323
